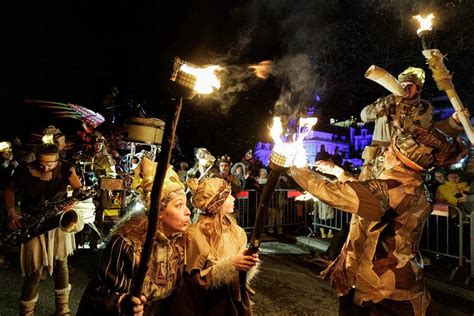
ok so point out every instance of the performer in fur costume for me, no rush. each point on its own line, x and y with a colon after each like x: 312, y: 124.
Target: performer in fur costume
x: 109, y: 292
x: 214, y: 255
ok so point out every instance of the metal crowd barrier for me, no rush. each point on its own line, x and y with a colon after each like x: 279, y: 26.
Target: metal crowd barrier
x: 443, y: 235
x: 286, y: 211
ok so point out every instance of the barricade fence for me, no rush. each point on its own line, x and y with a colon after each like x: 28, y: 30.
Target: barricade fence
x: 443, y: 234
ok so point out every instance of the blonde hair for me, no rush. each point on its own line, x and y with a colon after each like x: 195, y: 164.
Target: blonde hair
x: 213, y: 225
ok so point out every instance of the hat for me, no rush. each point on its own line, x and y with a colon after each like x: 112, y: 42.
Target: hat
x: 171, y: 186
x: 209, y: 194
x: 51, y: 133
x: 411, y: 152
x: 224, y: 158
x: 413, y: 74
x: 234, y: 168
x: 5, y: 146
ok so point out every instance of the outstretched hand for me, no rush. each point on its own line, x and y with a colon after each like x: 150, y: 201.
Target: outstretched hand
x: 328, y: 167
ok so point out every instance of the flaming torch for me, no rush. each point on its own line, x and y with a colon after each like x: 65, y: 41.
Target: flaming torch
x: 281, y: 159
x: 186, y: 81
x: 441, y: 74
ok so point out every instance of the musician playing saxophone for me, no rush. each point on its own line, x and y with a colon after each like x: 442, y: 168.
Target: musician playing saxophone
x: 44, y: 179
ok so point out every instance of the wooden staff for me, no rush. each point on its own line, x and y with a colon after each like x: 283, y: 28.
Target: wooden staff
x: 169, y: 136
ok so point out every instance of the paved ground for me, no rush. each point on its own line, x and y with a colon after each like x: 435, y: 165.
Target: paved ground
x: 289, y: 284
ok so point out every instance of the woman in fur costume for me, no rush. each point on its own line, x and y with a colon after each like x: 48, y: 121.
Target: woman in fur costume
x: 214, y: 256
x: 109, y: 292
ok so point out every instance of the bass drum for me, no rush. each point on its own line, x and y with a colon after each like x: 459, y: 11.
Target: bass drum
x: 145, y: 130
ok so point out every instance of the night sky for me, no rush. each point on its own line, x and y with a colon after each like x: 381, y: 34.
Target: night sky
x: 74, y: 51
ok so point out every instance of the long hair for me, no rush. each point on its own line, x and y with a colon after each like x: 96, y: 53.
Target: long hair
x: 214, y: 225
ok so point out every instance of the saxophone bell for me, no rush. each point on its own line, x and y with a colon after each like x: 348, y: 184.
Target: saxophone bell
x: 71, y: 222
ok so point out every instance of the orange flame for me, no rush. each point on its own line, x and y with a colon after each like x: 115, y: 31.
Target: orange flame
x: 262, y: 69
x: 206, y: 79
x: 290, y: 150
x: 425, y: 23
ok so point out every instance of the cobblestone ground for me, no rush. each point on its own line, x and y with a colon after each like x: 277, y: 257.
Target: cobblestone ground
x: 288, y: 284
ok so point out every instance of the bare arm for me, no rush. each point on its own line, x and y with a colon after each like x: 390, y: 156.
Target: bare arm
x: 74, y: 180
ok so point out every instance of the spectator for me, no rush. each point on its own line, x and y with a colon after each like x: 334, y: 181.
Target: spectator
x: 322, y: 154
x: 276, y: 210
x: 437, y: 178
x: 239, y: 172
x: 262, y: 177
x: 452, y: 191
x: 183, y: 171
x: 337, y: 157
x: 325, y: 213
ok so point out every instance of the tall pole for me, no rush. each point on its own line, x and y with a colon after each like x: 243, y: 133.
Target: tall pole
x: 169, y: 136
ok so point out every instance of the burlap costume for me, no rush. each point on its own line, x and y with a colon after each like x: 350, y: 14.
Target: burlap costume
x: 380, y: 264
x: 392, y: 116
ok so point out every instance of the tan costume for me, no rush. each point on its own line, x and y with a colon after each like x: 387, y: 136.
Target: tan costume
x: 211, y: 283
x: 393, y: 116
x: 378, y: 261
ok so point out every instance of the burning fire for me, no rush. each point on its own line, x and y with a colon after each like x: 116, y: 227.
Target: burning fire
x: 206, y: 79
x: 262, y: 69
x: 290, y: 150
x: 425, y: 23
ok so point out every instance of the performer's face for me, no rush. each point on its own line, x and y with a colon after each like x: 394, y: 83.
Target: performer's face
x: 228, y: 205
x: 175, y: 216
x: 224, y: 168
x: 47, y: 163
x: 410, y: 88
x: 7, y: 155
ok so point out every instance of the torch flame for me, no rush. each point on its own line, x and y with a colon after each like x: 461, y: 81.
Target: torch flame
x: 276, y: 130
x: 425, y: 23
x: 206, y: 78
x: 262, y: 69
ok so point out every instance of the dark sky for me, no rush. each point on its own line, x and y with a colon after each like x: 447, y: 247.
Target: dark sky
x: 73, y: 51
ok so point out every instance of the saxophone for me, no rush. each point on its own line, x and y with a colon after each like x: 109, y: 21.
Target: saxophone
x: 45, y: 217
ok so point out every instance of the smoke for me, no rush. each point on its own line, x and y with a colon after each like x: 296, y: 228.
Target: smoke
x: 235, y: 80
x: 288, y: 32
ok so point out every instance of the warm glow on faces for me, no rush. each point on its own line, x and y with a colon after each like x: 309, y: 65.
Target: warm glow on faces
x: 228, y: 206
x: 47, y: 163
x: 453, y: 178
x: 174, y: 218
x: 224, y: 168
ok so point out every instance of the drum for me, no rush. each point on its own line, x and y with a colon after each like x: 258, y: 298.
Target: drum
x: 112, y: 184
x: 145, y: 130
